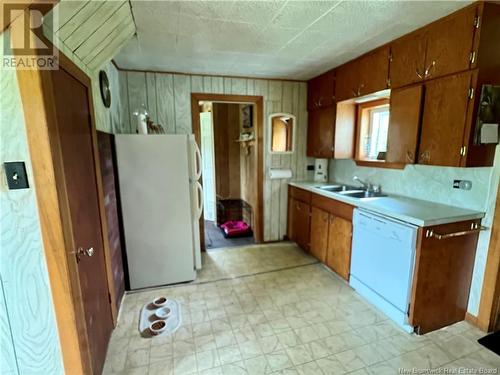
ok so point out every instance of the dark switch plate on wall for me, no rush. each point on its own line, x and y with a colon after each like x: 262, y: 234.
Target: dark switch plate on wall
x: 16, y: 175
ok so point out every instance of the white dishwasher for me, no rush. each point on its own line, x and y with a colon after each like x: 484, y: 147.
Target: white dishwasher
x: 382, y: 261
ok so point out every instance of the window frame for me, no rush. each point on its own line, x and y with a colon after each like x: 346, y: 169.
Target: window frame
x: 293, y: 134
x: 361, y: 108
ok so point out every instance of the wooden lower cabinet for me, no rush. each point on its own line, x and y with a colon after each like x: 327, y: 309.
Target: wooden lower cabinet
x: 319, y: 233
x: 442, y: 275
x: 444, y: 258
x: 327, y: 235
x: 299, y: 223
x: 338, y: 256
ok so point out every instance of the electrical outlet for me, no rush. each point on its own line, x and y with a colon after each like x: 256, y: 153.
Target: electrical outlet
x: 462, y: 184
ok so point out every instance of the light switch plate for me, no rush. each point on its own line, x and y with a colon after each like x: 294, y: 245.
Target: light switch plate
x: 16, y: 175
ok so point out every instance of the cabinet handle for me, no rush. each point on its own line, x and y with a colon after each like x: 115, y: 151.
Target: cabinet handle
x: 319, y: 102
x: 427, y: 71
x: 425, y: 156
x: 472, y: 57
x: 430, y: 233
x: 355, y: 93
x: 418, y: 74
x: 409, y: 156
x: 359, y: 88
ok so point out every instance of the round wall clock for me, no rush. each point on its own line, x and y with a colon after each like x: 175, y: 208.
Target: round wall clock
x: 104, y: 86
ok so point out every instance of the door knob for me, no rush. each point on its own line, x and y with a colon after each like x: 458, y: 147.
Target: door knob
x: 89, y: 252
x: 81, y: 252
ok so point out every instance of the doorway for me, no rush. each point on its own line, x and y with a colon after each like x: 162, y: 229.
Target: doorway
x: 228, y: 130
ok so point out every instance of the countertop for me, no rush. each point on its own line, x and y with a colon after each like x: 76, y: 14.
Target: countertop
x: 414, y: 211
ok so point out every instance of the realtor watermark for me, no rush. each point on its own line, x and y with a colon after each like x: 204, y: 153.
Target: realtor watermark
x: 26, y: 47
x: 450, y: 370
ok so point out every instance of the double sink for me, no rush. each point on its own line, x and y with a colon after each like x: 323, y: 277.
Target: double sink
x: 351, y: 191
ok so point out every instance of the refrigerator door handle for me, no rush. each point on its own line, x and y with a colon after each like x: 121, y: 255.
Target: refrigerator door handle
x: 199, y: 195
x: 198, y: 165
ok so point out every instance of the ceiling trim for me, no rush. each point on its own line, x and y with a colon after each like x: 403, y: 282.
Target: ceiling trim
x: 204, y: 74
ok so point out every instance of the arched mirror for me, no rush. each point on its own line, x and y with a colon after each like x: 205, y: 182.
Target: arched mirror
x: 282, y: 133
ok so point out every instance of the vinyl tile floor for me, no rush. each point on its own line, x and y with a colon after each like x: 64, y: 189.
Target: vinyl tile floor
x: 281, y: 317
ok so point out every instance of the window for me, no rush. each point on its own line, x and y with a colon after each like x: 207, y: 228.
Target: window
x: 282, y: 130
x: 373, y: 126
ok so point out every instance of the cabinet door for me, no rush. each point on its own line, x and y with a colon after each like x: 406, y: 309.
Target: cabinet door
x: 338, y: 256
x: 313, y: 93
x: 442, y: 276
x: 291, y: 218
x: 374, y: 71
x: 301, y: 224
x: 347, y: 81
x: 320, y: 133
x: 407, y: 59
x: 449, y: 44
x: 445, y: 113
x: 319, y: 233
x: 321, y: 91
x: 327, y: 89
x: 404, y: 124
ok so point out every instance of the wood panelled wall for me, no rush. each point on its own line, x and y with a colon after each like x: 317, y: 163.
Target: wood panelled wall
x: 168, y: 98
x: 226, y: 123
x: 90, y: 33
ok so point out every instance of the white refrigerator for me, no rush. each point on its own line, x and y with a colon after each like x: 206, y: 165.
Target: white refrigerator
x: 162, y: 201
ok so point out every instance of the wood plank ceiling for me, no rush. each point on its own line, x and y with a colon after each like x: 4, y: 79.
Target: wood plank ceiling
x: 92, y: 31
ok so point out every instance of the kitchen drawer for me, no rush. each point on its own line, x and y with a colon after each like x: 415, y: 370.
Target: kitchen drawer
x: 300, y: 194
x: 333, y: 206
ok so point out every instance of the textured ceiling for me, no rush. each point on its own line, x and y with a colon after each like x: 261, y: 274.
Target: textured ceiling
x: 276, y: 39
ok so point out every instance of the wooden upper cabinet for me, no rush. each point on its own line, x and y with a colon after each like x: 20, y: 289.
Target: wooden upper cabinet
x: 321, y: 91
x: 404, y: 124
x: 450, y: 44
x: 347, y: 81
x: 446, y: 105
x: 374, y: 71
x: 407, y: 59
x: 320, y: 133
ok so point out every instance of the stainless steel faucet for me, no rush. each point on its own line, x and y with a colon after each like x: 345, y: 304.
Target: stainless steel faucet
x: 368, y: 186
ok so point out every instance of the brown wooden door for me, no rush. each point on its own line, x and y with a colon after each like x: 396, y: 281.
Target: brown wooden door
x: 320, y: 133
x: 450, y: 43
x: 301, y: 224
x: 75, y: 135
x: 404, y: 124
x: 319, y: 233
x: 338, y: 256
x: 408, y: 59
x: 347, y: 81
x: 444, y: 118
x: 374, y: 71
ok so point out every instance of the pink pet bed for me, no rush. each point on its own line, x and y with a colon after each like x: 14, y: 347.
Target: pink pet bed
x: 236, y: 228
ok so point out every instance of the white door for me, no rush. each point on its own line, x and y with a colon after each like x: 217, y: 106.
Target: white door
x: 208, y: 163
